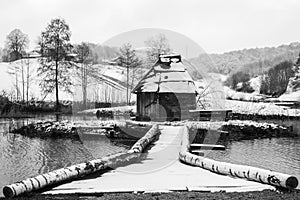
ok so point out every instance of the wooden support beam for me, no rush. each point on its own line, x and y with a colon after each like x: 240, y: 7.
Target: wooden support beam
x: 212, y: 114
x: 97, y: 127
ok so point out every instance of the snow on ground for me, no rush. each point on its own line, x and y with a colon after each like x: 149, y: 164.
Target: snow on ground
x: 242, y: 107
x: 218, y: 77
x: 255, y: 83
x: 293, y: 96
x: 113, y: 71
x: 96, y: 89
x: 114, y: 109
x: 232, y: 94
x: 6, y: 80
x: 260, y: 108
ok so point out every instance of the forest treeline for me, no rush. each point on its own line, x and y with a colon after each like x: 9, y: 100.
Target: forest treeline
x: 254, y: 61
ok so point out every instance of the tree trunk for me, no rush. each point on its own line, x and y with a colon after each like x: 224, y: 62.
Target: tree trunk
x: 56, y: 86
x: 23, y: 83
x: 127, y: 97
x: 132, y: 82
x: 27, y: 90
x: 84, y: 85
x: 17, y: 87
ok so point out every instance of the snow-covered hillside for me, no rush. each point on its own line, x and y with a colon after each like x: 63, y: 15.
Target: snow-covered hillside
x: 101, y: 87
x: 11, y: 75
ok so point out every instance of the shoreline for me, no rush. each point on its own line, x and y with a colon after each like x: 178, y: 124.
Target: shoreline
x: 114, y: 129
x: 258, y: 195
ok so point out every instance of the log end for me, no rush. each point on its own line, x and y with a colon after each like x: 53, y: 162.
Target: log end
x: 291, y: 182
x: 8, y: 191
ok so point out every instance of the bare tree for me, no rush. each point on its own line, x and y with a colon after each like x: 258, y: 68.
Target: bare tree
x: 16, y: 43
x: 27, y: 77
x: 13, y: 70
x: 55, y: 67
x: 86, y: 60
x: 129, y: 60
x: 22, y: 74
x: 157, y: 45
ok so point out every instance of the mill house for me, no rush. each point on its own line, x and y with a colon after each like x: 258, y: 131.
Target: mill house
x: 167, y: 92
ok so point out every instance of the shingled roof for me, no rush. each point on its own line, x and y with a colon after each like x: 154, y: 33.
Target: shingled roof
x: 168, y: 74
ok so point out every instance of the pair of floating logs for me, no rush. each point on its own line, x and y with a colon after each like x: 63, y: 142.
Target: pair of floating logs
x: 239, y: 171
x: 76, y: 171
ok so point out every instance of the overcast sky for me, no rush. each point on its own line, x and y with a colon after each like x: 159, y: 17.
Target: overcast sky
x: 216, y: 25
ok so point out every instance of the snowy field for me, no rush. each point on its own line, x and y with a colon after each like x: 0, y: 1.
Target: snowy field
x: 260, y: 108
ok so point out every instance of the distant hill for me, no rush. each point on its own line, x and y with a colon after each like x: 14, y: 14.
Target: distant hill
x: 255, y: 60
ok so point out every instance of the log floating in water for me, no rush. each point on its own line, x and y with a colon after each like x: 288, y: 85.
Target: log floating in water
x: 197, y: 152
x: 207, y: 147
x: 82, y: 169
x: 239, y: 171
x: 67, y: 174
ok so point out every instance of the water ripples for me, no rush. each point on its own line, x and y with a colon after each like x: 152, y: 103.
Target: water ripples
x: 277, y: 154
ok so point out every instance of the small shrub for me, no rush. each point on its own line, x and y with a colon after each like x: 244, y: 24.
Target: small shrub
x: 238, y: 77
x: 276, y: 80
x: 246, y: 87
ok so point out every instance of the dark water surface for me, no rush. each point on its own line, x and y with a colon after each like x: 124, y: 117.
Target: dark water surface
x: 277, y: 154
x: 22, y: 157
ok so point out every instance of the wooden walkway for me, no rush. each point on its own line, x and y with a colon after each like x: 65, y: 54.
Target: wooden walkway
x: 160, y: 171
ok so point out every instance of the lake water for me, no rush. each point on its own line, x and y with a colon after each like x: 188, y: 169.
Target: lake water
x: 277, y: 154
x: 22, y: 157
